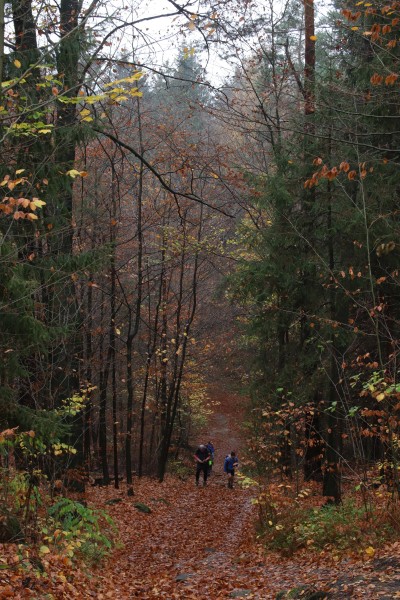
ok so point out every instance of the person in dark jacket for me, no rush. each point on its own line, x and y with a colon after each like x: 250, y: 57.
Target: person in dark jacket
x: 202, y: 456
x: 231, y: 462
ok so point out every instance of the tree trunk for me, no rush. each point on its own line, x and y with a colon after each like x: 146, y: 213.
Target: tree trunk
x: 333, y: 439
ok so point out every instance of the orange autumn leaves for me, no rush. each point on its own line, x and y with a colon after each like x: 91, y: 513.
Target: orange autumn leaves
x: 383, y: 34
x: 332, y: 173
x: 377, y: 79
x: 20, y: 207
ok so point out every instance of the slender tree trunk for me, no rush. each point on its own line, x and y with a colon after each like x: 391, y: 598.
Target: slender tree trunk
x: 129, y: 410
x: 113, y: 316
x: 89, y: 353
x: 134, y: 325
x: 88, y: 358
x: 150, y: 353
x: 103, y: 442
x: 169, y: 399
x: 163, y: 399
x: 115, y: 420
x: 333, y: 445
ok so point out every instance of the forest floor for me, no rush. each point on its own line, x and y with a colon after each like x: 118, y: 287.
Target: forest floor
x: 201, y: 543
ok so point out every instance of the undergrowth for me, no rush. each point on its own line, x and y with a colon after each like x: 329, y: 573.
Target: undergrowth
x: 180, y: 468
x: 83, y: 531
x: 287, y: 524
x: 31, y: 517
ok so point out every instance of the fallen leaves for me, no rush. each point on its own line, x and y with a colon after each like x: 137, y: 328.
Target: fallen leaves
x: 197, y: 543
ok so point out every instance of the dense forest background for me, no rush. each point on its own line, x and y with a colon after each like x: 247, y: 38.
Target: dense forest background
x: 165, y: 223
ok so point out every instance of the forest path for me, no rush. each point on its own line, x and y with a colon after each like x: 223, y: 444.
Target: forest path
x: 200, y: 543
x: 193, y: 543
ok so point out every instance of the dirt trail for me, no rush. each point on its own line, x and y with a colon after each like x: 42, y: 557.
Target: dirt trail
x: 193, y: 542
x: 200, y: 543
x: 197, y: 543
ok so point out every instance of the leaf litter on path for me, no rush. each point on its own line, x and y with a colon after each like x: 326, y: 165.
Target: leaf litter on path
x: 201, y: 543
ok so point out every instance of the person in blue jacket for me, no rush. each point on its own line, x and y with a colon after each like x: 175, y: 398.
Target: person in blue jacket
x: 231, y: 462
x: 210, y: 448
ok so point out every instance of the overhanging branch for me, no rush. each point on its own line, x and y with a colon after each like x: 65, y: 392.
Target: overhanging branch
x: 157, y: 175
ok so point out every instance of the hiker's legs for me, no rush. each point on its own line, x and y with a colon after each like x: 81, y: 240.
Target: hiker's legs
x: 198, y: 469
x: 205, y: 473
x: 230, y: 479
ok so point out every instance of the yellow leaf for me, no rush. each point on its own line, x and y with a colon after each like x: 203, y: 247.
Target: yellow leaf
x: 313, y: 38
x: 130, y: 79
x: 354, y: 28
x: 38, y: 203
x: 85, y: 112
x: 73, y: 173
x: 19, y: 171
x: 44, y: 550
x: 380, y: 397
x: 94, y: 99
x: 370, y: 551
x: 87, y: 119
x: 17, y: 63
